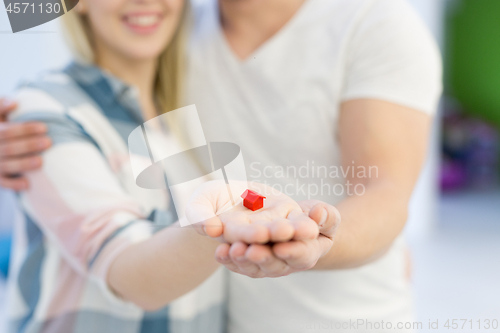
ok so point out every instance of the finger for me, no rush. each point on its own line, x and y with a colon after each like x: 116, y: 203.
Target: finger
x: 277, y: 208
x: 201, y: 214
x: 299, y: 255
x: 222, y: 257
x: 10, y: 131
x: 280, y: 230
x: 263, y: 256
x: 6, y: 106
x: 306, y: 205
x: 244, y: 232
x: 305, y: 228
x: 213, y: 227
x: 15, y: 184
x: 24, y: 146
x: 20, y: 165
x: 222, y: 252
x: 237, y: 254
x: 327, y: 217
x: 324, y: 244
x: 199, y: 229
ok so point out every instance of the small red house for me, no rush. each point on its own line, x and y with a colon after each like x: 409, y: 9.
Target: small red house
x: 253, y: 200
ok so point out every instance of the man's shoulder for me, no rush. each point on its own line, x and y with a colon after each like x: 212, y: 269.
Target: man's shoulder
x: 335, y: 12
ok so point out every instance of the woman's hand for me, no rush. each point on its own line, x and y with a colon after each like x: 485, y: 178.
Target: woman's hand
x: 280, y: 259
x: 20, y: 146
x: 280, y: 220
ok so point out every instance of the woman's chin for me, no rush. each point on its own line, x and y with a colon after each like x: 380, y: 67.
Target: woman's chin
x: 141, y: 53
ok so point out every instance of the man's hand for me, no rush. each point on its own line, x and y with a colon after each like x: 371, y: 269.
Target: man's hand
x: 281, y: 219
x: 20, y: 146
x: 280, y: 259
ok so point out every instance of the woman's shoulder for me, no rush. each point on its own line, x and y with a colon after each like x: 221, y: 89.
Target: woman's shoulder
x: 53, y: 92
x: 50, y: 98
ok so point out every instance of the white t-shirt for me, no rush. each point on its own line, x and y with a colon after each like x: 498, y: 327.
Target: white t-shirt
x: 281, y: 105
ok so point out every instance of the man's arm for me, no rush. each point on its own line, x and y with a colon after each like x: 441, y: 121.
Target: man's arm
x: 394, y: 140
x: 20, y: 146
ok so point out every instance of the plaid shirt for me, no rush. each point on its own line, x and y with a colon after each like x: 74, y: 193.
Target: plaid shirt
x: 83, y: 209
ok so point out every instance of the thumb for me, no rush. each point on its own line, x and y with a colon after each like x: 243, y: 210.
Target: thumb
x: 327, y: 217
x: 201, y: 215
x: 203, y: 207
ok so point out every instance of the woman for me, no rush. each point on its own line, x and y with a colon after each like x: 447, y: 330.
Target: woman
x: 87, y: 258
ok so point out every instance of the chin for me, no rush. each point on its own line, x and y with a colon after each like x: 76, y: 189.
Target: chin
x: 142, y: 52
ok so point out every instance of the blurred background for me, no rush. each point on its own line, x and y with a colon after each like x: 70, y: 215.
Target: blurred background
x: 454, y: 226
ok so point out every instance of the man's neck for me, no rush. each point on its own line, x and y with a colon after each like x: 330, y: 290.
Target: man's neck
x: 247, y: 24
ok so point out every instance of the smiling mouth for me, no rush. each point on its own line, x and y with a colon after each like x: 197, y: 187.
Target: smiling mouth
x: 142, y: 23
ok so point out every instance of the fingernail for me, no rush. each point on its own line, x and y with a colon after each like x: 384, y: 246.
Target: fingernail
x: 324, y: 216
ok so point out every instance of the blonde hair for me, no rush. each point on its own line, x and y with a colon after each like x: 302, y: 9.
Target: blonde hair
x: 169, y: 77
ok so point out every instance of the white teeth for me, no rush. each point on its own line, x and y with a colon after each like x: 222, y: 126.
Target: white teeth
x: 143, y: 20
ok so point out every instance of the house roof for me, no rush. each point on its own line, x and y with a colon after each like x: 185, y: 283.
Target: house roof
x: 252, y: 195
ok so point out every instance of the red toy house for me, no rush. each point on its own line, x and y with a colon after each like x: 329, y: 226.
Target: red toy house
x: 253, y: 200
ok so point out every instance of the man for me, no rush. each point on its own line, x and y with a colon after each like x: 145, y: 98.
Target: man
x: 317, y: 94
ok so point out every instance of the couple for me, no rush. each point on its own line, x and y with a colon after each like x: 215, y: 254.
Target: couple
x: 349, y: 83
